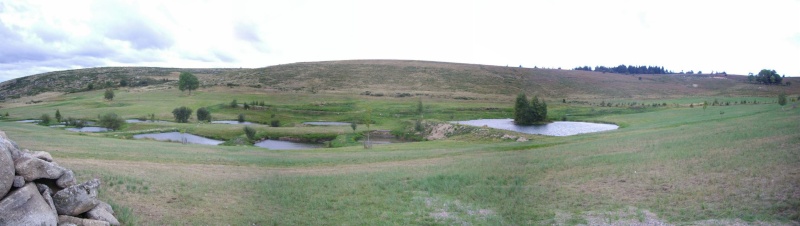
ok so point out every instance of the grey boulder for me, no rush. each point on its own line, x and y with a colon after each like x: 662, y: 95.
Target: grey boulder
x: 26, y: 206
x: 103, y: 212
x: 32, y: 168
x: 43, y: 155
x: 77, y: 199
x: 6, y: 166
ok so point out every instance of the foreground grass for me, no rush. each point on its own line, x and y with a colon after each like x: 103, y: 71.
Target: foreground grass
x: 683, y: 164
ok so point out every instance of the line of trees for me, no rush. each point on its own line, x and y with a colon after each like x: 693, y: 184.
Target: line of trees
x: 529, y: 113
x: 630, y: 69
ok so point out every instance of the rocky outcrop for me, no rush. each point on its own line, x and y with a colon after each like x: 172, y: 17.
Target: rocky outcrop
x: 440, y: 131
x: 35, y: 190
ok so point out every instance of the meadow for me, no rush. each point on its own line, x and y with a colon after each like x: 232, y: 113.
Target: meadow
x: 672, y: 164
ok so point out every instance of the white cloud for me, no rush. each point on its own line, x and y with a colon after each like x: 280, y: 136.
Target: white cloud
x: 735, y: 36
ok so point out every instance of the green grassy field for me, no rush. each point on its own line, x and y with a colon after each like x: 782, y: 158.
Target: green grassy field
x: 671, y: 164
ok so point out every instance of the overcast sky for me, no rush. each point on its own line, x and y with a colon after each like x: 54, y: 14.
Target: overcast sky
x: 732, y: 36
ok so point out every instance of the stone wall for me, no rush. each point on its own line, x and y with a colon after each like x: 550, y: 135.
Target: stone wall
x: 35, y: 190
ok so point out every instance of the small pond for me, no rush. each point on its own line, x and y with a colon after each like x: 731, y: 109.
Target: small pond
x: 327, y: 123
x: 88, y: 129
x: 231, y: 122
x: 178, y: 137
x: 558, y: 128
x: 286, y: 145
x: 143, y: 121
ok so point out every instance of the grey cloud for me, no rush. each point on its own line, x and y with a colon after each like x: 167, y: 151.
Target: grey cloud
x: 14, y: 47
x: 140, y: 35
x: 246, y: 32
x: 212, y: 56
x: 123, y: 21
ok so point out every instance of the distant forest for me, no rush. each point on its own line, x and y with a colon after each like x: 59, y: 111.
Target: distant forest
x: 630, y: 69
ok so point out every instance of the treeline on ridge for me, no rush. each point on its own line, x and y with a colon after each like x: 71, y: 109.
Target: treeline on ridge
x: 630, y: 69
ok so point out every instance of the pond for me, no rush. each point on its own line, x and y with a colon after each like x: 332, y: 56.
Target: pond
x: 327, y: 123
x: 231, y: 122
x: 558, y: 128
x: 286, y: 145
x: 88, y: 129
x: 178, y: 137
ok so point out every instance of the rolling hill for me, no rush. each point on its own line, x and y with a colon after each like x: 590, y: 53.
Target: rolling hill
x: 400, y: 76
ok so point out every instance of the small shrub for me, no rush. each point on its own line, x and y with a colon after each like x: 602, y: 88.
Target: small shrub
x: 111, y: 121
x: 240, y: 118
x: 109, y: 94
x: 234, y: 104
x: 182, y: 114
x: 275, y: 123
x: 246, y: 106
x: 203, y: 115
x: 45, y: 119
x: 250, y: 132
x: 418, y: 126
x: 782, y: 99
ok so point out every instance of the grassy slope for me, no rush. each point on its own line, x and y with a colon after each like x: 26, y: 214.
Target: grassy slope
x: 684, y: 164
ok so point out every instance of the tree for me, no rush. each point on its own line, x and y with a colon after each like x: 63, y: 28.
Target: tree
x: 353, y: 125
x: 182, y: 114
x: 90, y: 86
x: 419, y: 107
x: 111, y: 121
x: 769, y: 77
x: 109, y: 95
x: 250, y: 132
x: 187, y: 81
x: 368, y: 120
x: 234, y: 104
x: 123, y: 83
x: 705, y: 105
x: 535, y: 108
x: 240, y: 119
x: 539, y: 110
x: 522, y: 110
x: 58, y: 116
x: 203, y: 115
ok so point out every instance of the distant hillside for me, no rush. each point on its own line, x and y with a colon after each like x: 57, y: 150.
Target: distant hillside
x: 394, y: 76
x: 390, y: 77
x: 79, y: 79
